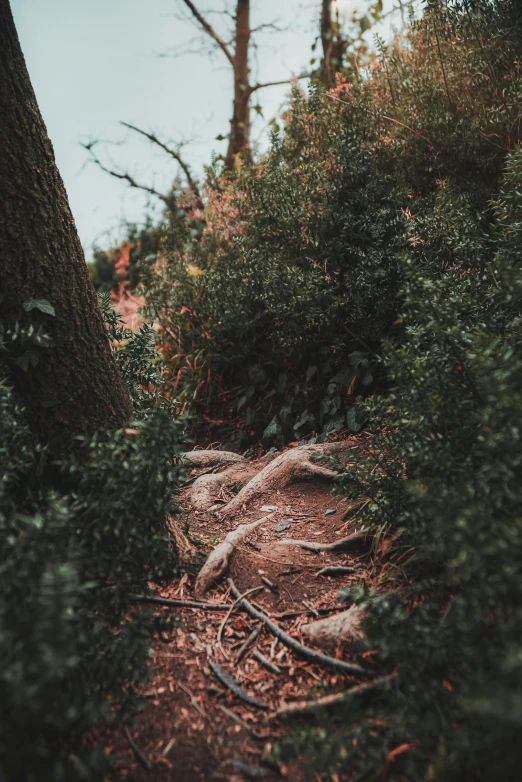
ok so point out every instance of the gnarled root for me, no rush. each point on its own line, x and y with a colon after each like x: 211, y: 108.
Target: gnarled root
x: 337, y: 545
x: 218, y: 561
x: 206, y: 488
x: 289, y: 467
x: 208, y: 458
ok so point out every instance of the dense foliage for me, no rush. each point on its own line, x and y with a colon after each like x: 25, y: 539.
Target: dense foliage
x: 377, y: 246
x: 78, y: 537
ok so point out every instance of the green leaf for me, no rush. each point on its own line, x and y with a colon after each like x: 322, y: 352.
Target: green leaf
x: 39, y: 304
x: 272, y: 430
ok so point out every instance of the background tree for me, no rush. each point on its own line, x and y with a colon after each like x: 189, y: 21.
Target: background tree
x: 332, y: 42
x: 55, y: 345
x: 237, y: 54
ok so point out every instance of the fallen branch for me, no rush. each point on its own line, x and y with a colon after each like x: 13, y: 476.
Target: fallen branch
x: 290, y: 614
x: 236, y: 718
x: 192, y: 699
x: 137, y: 751
x: 218, y: 560
x: 287, y: 640
x: 299, y: 708
x: 254, y: 635
x: 228, y: 614
x: 335, y: 570
x: 337, y: 545
x: 226, y: 679
x: 260, y: 657
x: 163, y: 601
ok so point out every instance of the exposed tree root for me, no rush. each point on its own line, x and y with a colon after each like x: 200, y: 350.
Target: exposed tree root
x: 337, y: 545
x: 289, y: 467
x: 301, y: 708
x: 345, y: 627
x: 208, y: 458
x: 287, y: 640
x: 165, y: 601
x: 218, y: 561
x: 206, y: 489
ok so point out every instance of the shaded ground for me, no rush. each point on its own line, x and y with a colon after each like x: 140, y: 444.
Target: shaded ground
x: 193, y: 728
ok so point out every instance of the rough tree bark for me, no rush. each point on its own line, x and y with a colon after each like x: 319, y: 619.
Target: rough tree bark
x: 239, y: 140
x: 76, y: 387
x: 332, y: 43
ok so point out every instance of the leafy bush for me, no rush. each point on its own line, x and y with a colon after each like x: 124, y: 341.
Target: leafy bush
x: 444, y: 475
x: 77, y: 538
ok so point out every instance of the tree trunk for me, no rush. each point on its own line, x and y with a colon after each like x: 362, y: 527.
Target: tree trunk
x: 240, y: 123
x: 75, y: 387
x: 332, y: 42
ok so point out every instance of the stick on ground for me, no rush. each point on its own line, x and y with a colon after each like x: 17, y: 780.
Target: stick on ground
x: 287, y: 640
x: 225, y: 620
x: 137, y: 751
x: 164, y: 601
x: 260, y: 657
x: 299, y: 708
x: 226, y: 679
x: 254, y: 635
x: 337, y: 545
x: 192, y: 698
x: 335, y: 570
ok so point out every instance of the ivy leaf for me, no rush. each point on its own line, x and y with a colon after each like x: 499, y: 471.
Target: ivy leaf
x: 39, y: 304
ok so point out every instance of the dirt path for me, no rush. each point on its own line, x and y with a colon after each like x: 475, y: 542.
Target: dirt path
x: 195, y: 729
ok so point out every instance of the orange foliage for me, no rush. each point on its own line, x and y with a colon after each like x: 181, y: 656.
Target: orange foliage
x: 123, y: 300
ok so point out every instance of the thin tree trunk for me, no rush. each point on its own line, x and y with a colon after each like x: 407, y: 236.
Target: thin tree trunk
x: 240, y: 123
x: 75, y: 387
x: 333, y: 44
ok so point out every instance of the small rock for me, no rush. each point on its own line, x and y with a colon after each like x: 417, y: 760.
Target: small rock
x: 268, y: 508
x: 284, y: 525
x: 329, y: 512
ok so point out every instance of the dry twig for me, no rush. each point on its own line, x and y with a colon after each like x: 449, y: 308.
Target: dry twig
x: 226, y: 679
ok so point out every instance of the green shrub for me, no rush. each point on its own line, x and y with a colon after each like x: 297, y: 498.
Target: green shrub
x: 444, y: 480
x: 77, y: 538
x: 381, y: 239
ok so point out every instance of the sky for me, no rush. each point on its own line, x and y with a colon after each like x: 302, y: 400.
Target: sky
x: 96, y: 63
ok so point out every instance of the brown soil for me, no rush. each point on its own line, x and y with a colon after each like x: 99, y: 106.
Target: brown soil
x: 182, y: 730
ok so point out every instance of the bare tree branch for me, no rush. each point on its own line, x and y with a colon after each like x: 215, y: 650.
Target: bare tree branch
x: 276, y: 83
x: 270, y: 26
x: 125, y: 176
x: 210, y: 31
x: 172, y: 152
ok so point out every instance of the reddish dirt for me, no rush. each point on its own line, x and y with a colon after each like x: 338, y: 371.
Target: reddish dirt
x: 183, y: 731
